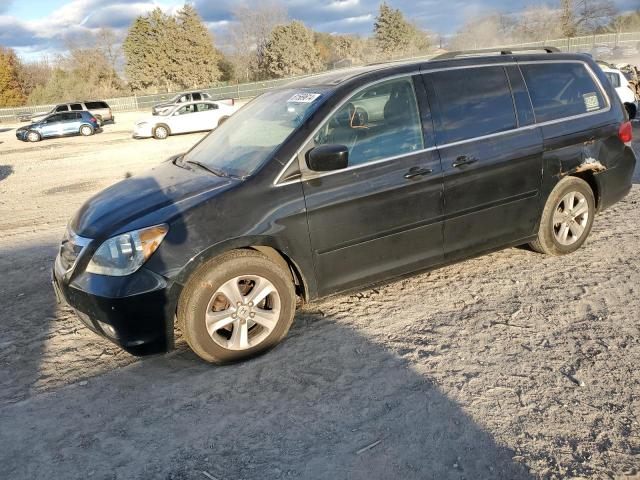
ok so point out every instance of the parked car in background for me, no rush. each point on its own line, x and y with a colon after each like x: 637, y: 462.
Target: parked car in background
x: 337, y: 181
x: 100, y: 110
x: 159, y: 108
x: 59, y: 125
x: 183, y: 118
x: 623, y: 89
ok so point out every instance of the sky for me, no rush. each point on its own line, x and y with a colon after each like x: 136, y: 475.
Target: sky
x: 42, y: 27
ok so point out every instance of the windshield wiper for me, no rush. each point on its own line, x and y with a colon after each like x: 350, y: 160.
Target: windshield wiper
x: 218, y: 173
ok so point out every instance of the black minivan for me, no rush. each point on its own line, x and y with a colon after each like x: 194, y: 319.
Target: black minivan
x: 342, y: 180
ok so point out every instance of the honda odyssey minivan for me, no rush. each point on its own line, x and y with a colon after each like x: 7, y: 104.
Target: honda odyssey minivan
x: 343, y: 180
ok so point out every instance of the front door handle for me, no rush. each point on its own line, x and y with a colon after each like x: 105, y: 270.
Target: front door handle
x: 464, y: 160
x: 417, y: 172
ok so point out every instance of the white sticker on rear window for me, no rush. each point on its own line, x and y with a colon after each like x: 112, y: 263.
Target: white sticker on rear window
x: 591, y: 101
x: 303, y: 98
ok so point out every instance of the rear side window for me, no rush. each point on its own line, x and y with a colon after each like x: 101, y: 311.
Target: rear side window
x: 473, y: 102
x: 203, y: 107
x: 96, y: 105
x: 614, y: 78
x: 76, y: 107
x: 560, y: 90
x: 70, y: 116
x: 196, y: 96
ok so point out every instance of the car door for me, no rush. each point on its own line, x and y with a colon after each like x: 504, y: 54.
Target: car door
x: 382, y: 215
x: 491, y: 156
x: 182, y: 120
x: 71, y: 122
x: 52, y: 126
x: 208, y: 115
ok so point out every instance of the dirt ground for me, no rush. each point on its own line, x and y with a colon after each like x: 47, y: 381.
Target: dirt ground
x: 512, y: 365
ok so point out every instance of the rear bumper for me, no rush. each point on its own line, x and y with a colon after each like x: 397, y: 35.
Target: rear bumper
x: 134, y: 312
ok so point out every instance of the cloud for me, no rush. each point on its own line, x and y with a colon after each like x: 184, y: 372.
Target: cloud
x: 84, y: 17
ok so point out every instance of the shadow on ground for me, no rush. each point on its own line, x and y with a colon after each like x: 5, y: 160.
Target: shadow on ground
x: 308, y: 409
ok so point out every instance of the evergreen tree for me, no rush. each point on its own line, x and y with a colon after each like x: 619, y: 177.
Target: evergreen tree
x: 290, y: 51
x: 393, y: 34
x: 193, y: 53
x: 10, y: 91
x: 167, y: 52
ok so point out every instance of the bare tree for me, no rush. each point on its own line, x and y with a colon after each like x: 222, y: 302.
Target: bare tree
x: 250, y: 32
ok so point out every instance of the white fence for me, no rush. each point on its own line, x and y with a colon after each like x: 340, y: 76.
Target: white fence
x: 248, y: 90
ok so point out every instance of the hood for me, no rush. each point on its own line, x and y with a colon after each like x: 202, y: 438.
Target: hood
x: 164, y: 191
x: 148, y: 119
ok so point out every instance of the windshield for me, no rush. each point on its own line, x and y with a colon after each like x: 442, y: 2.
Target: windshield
x: 248, y: 138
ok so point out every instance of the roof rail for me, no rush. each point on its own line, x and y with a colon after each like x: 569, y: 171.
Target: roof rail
x: 497, y: 50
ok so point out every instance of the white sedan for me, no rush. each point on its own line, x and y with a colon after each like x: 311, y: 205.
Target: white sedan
x: 184, y: 118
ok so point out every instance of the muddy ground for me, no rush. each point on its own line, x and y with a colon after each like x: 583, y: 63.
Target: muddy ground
x: 512, y: 365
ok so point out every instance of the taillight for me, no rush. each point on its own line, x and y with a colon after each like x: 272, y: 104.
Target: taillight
x: 625, y: 133
x: 93, y: 119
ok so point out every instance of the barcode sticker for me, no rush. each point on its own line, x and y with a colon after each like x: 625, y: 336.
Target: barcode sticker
x: 303, y: 98
x: 591, y: 101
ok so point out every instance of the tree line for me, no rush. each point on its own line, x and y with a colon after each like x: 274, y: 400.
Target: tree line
x: 163, y: 52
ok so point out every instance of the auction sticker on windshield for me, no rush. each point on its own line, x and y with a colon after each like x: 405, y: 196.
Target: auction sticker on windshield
x: 303, y: 97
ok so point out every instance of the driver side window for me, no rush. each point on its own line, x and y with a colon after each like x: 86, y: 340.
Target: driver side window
x: 378, y: 122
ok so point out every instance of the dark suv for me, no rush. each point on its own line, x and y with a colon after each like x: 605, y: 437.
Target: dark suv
x: 342, y: 180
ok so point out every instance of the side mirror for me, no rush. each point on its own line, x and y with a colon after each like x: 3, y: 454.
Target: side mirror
x: 631, y: 110
x: 326, y: 158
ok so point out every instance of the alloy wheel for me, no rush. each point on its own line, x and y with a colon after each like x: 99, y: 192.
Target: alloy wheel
x: 570, y: 218
x: 242, y: 312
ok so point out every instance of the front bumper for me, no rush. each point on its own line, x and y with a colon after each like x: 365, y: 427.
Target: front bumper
x: 144, y: 131
x: 136, y: 312
x: 21, y: 135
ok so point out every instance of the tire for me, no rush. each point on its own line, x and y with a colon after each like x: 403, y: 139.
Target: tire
x: 204, y: 293
x: 564, y: 231
x: 33, y: 136
x: 86, y: 131
x: 160, y: 132
x: 223, y: 119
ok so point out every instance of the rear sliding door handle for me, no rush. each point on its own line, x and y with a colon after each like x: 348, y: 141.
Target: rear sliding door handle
x: 417, y: 172
x: 463, y: 160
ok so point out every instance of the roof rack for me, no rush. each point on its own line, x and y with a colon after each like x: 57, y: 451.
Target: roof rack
x: 501, y: 51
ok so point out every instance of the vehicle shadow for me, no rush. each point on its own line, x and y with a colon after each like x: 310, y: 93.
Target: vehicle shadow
x: 5, y: 171
x: 327, y: 403
x: 2, y: 130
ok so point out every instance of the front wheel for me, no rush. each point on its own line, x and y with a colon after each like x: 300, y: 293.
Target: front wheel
x: 33, y: 136
x: 160, y: 132
x: 236, y: 306
x: 567, y: 218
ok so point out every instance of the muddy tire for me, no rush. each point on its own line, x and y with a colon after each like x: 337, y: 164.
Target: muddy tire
x: 86, y: 131
x: 161, y: 132
x: 236, y: 306
x: 567, y: 218
x: 33, y: 136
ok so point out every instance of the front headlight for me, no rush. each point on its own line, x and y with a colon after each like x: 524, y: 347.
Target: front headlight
x: 126, y: 253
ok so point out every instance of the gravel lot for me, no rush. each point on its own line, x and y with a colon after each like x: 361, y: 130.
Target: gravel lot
x: 512, y: 365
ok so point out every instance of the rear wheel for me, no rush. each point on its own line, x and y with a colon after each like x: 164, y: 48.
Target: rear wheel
x: 86, y: 130
x: 567, y: 218
x: 161, y: 132
x: 33, y: 136
x: 235, y: 306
